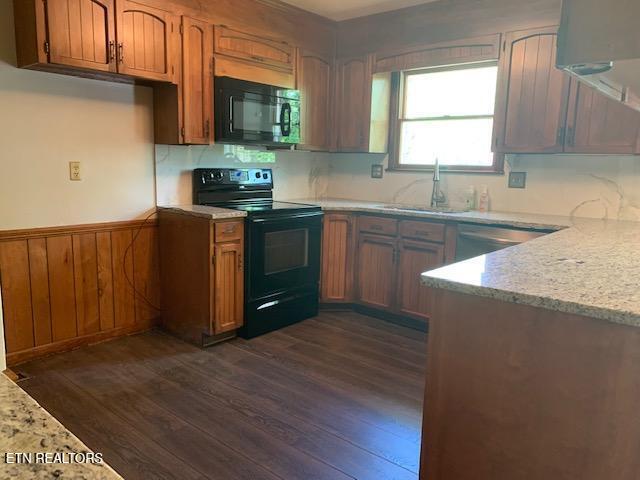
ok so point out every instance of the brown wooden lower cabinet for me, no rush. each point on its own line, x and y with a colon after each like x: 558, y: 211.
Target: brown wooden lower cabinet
x: 413, y: 298
x: 202, y: 276
x: 338, y: 258
x: 63, y: 287
x: 381, y: 268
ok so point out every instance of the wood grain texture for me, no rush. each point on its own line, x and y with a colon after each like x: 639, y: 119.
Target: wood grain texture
x: 40, y: 299
x: 515, y: 391
x: 122, y: 267
x: 16, y: 295
x: 338, y: 258
x: 82, y: 33
x: 314, y: 79
x: 229, y: 287
x: 599, y: 125
x: 266, y: 408
x: 58, y: 286
x: 64, y: 324
x: 86, y: 283
x: 197, y: 81
x: 266, y: 52
x: 376, y: 270
x: 532, y: 96
x: 438, y: 22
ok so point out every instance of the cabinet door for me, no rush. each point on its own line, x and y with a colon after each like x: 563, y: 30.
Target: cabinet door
x: 314, y: 80
x: 197, y: 81
x: 338, y: 250
x: 253, y: 48
x: 597, y: 124
x: 533, y: 93
x: 81, y: 33
x: 376, y: 270
x: 228, y: 287
x: 145, y: 37
x: 413, y: 298
x: 353, y: 105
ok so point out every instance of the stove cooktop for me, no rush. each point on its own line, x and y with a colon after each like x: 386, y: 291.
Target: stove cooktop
x: 266, y: 207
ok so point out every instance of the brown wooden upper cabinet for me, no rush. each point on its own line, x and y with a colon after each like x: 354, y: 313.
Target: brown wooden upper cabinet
x: 314, y: 75
x: 267, y: 52
x: 533, y: 94
x: 197, y: 81
x: 96, y: 36
x: 541, y: 109
x: 145, y: 41
x: 81, y: 33
x: 353, y: 103
x: 598, y: 124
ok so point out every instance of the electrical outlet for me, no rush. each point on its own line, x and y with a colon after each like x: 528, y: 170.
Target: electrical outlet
x: 517, y: 179
x: 75, y: 174
x: 377, y: 171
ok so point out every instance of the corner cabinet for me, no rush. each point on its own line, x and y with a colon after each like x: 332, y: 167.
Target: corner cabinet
x: 541, y: 109
x: 338, y: 258
x: 353, y: 103
x: 96, y: 36
x: 202, y: 276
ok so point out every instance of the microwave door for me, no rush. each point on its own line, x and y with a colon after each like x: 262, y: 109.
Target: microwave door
x: 253, y: 118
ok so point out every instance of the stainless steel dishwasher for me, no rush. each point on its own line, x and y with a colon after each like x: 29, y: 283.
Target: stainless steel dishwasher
x: 475, y: 240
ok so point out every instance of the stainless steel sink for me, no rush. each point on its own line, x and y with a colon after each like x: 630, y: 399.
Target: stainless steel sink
x: 411, y: 208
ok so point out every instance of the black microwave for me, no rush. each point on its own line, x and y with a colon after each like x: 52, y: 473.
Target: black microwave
x: 253, y: 113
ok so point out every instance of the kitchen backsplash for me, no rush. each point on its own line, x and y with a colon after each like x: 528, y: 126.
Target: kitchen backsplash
x: 583, y: 185
x: 296, y: 174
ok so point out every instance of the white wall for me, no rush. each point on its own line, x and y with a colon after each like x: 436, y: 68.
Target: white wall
x: 296, y: 174
x: 592, y: 186
x: 47, y: 120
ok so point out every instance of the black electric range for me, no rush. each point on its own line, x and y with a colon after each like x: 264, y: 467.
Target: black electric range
x: 282, y: 246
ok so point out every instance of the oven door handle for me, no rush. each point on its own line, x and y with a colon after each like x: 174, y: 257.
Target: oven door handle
x: 279, y: 218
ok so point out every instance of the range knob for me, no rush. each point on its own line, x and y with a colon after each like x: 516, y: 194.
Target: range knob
x: 217, y: 175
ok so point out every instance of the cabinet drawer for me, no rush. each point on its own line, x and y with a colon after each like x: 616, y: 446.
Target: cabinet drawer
x: 380, y: 225
x: 228, y: 231
x: 432, y: 232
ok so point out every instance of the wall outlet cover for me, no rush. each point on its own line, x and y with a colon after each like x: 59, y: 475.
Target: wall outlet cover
x: 377, y: 171
x: 517, y: 179
x: 75, y: 174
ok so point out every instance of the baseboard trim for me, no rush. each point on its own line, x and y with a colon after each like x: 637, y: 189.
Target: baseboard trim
x: 23, y: 356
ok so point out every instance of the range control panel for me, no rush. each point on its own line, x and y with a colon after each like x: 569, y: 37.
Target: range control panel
x: 233, y: 176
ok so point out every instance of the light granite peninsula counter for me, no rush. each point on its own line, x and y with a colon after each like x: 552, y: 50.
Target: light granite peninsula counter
x: 27, y: 427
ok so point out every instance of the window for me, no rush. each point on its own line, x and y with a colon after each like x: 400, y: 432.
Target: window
x: 446, y: 113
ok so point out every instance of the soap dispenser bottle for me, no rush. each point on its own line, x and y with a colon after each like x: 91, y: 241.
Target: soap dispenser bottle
x: 483, y: 200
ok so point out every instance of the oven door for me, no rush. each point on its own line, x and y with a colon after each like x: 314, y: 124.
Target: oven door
x: 258, y: 117
x: 284, y: 253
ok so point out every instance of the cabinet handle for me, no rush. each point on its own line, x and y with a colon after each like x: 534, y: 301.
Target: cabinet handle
x: 112, y: 51
x: 422, y: 233
x: 257, y: 58
x: 120, y: 53
x: 560, y: 136
x: 207, y: 128
x: 239, y: 262
x: 572, y: 136
x: 376, y: 227
x: 230, y: 229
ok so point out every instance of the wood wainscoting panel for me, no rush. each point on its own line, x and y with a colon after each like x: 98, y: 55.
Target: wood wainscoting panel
x: 66, y: 286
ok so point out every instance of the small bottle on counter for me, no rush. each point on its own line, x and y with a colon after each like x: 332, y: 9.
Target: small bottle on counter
x: 483, y: 200
x: 470, y: 198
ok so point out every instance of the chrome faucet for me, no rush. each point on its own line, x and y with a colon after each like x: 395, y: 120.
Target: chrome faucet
x: 438, y: 197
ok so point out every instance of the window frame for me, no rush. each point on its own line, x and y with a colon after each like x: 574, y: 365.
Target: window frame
x: 397, y: 114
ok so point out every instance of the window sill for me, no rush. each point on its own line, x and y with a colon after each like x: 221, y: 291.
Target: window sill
x: 469, y: 170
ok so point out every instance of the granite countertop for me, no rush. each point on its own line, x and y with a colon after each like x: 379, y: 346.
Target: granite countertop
x: 591, y: 268
x: 27, y: 427
x: 212, y: 213
x: 519, y: 220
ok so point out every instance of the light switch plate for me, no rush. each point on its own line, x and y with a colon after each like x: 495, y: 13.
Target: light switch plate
x: 517, y: 179
x: 75, y: 174
x: 377, y: 171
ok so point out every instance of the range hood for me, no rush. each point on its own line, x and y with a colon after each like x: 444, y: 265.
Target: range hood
x: 599, y: 42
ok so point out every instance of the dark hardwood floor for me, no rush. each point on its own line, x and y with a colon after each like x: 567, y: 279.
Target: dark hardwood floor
x: 335, y: 397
